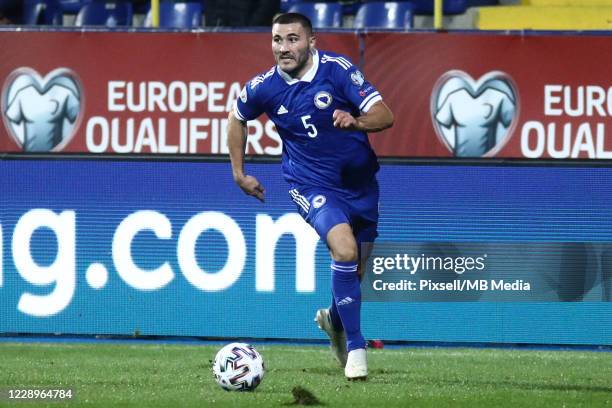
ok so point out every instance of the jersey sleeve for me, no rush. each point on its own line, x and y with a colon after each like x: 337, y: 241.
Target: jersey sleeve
x: 357, y: 89
x: 248, y: 105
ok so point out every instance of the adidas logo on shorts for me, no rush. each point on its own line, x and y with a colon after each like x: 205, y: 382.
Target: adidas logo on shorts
x: 347, y: 300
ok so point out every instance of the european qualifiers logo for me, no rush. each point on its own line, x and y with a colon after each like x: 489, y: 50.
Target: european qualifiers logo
x: 474, y: 118
x: 42, y: 114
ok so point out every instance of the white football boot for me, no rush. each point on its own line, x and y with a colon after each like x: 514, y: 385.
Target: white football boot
x: 356, y: 365
x: 337, y: 338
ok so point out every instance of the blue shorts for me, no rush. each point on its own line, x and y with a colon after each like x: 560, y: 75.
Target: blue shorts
x: 323, y: 209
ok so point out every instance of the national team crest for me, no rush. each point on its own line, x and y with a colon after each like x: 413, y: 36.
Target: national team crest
x: 318, y: 201
x: 42, y: 114
x: 323, y: 99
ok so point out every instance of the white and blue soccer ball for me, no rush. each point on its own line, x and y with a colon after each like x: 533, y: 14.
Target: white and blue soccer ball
x: 238, y: 367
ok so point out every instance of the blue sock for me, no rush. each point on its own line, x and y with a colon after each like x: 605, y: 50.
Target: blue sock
x: 347, y: 296
x: 335, y: 316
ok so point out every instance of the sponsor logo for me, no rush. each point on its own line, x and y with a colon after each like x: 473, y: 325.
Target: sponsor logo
x: 323, y: 99
x: 42, y: 114
x: 474, y: 118
x: 120, y: 261
x: 243, y: 95
x: 282, y: 110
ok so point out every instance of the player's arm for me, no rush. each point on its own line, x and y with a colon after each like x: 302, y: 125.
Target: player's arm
x: 378, y: 117
x: 236, y: 142
x: 374, y: 115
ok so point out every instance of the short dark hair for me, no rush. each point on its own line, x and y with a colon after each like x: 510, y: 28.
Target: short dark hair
x: 290, y: 18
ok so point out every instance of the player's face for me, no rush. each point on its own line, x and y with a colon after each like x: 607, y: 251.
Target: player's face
x: 291, y: 45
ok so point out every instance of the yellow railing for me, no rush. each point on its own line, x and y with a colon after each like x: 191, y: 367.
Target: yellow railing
x: 438, y: 14
x: 532, y: 17
x: 155, y: 13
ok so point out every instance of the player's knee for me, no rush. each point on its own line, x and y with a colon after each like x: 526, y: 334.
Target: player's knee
x: 342, y: 244
x: 345, y: 253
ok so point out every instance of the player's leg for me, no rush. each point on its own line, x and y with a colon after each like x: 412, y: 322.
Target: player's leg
x: 334, y: 316
x: 331, y: 320
x: 323, y: 214
x: 337, y: 338
x: 363, y: 212
x: 365, y: 232
x: 347, y: 295
x: 365, y: 235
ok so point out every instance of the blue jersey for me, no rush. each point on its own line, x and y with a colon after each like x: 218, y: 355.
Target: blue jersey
x: 315, y: 153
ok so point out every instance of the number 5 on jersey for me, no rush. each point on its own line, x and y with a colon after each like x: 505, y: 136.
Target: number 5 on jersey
x: 312, y: 130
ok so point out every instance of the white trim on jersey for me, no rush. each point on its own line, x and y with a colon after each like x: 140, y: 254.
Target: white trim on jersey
x: 365, y: 104
x: 371, y: 103
x: 260, y: 78
x: 347, y: 62
x: 343, y: 62
x: 299, y: 200
x: 237, y: 113
x: 342, y: 268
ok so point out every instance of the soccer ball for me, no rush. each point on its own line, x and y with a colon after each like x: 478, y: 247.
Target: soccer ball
x: 238, y: 367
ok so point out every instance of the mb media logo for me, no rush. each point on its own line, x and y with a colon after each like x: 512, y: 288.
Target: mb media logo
x: 42, y: 114
x: 474, y: 118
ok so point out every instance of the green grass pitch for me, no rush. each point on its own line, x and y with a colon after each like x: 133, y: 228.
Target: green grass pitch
x: 158, y: 375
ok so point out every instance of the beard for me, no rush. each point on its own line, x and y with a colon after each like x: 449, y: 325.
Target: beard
x: 300, y: 64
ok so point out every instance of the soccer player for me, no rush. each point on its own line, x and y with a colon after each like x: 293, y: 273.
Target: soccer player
x: 322, y: 107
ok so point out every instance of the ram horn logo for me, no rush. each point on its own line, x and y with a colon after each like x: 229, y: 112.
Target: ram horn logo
x: 42, y: 114
x: 474, y: 118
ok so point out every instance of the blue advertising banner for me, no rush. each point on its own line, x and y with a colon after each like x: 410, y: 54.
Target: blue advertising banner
x: 175, y: 248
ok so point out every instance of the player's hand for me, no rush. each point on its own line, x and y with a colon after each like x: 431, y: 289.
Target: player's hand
x: 344, y: 120
x: 251, y: 186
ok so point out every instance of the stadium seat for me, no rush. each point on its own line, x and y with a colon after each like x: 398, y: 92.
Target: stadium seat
x: 480, y: 3
x: 322, y: 15
x: 177, y: 15
x: 285, y: 5
x: 449, y: 6
x: 105, y: 14
x: 348, y: 6
x: 42, y: 12
x: 72, y: 6
x: 392, y: 15
x: 33, y: 12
